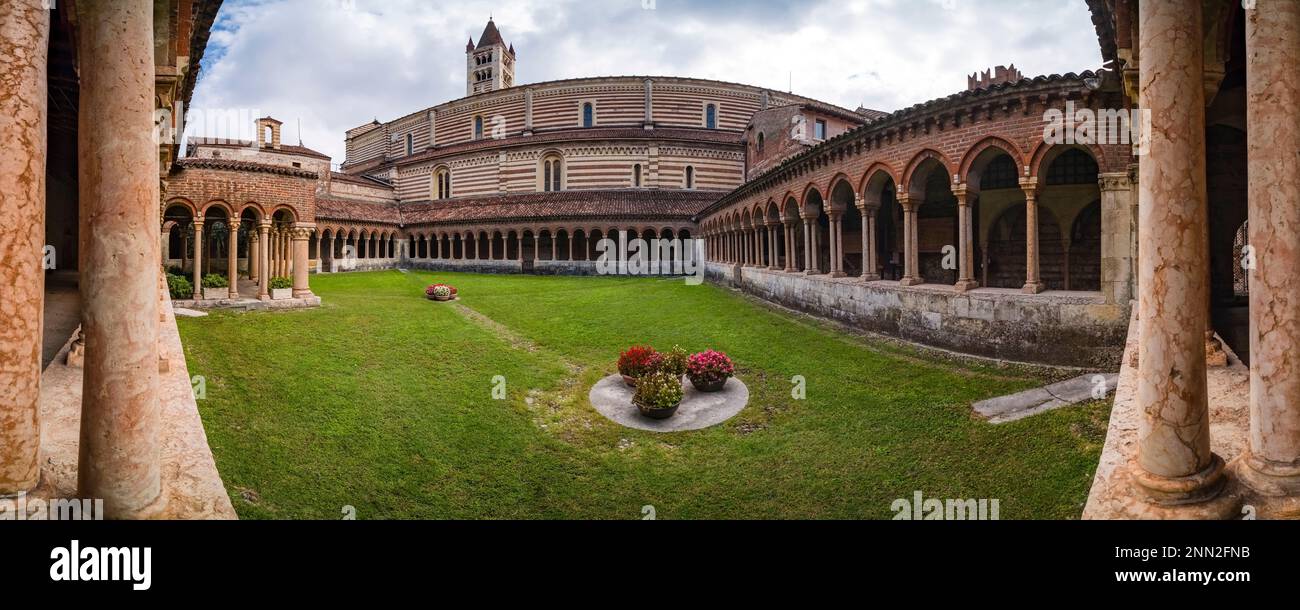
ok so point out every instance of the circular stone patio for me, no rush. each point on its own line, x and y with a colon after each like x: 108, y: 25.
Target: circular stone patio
x: 699, y: 410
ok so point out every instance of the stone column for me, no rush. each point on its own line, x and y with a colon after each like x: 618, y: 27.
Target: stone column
x: 253, y: 255
x: 837, y: 243
x: 1174, y: 464
x: 773, y: 253
x: 870, y: 265
x: 790, y: 258
x: 232, y: 258
x: 1117, y: 230
x: 1033, y: 285
x: 537, y: 246
x: 301, y: 234
x: 264, y: 260
x: 965, y: 243
x: 911, y: 256
x: 198, y: 258
x: 1273, y: 95
x: 119, y: 458
x: 24, y: 38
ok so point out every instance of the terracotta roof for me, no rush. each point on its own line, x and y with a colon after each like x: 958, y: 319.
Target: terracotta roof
x: 586, y: 204
x: 244, y: 166
x: 1103, y: 20
x: 333, y: 208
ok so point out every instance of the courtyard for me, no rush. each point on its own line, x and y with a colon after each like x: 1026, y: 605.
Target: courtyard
x: 380, y: 404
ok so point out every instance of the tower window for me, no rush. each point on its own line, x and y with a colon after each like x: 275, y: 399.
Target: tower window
x: 478, y: 128
x: 410, y: 144
x: 552, y: 173
x: 690, y: 177
x: 636, y: 175
x: 442, y: 184
x: 588, y: 114
x: 711, y: 116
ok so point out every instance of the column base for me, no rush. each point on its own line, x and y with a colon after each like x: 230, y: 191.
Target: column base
x: 298, y: 294
x: 263, y: 297
x: 812, y: 272
x: 1266, y: 477
x: 871, y: 277
x: 1033, y: 288
x: 838, y: 274
x: 965, y: 285
x: 1195, y: 488
x: 911, y: 281
x: 198, y: 296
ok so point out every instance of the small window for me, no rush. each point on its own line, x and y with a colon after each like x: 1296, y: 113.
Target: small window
x: 442, y: 184
x: 478, y: 128
x: 760, y: 142
x: 690, y: 177
x: 711, y: 116
x: 820, y: 130
x: 588, y: 115
x: 552, y: 173
x: 297, y: 164
x: 636, y: 175
x: 410, y: 144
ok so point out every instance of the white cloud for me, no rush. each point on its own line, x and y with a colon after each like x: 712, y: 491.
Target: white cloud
x: 335, y: 64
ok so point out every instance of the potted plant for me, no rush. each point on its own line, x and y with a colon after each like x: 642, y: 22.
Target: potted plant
x: 675, y: 362
x: 658, y: 395
x: 434, y: 290
x: 281, y: 288
x: 215, y: 287
x: 709, y: 370
x: 638, y: 361
x: 440, y: 293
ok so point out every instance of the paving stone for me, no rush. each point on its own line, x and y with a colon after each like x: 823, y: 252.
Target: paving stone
x: 613, y: 399
x: 1040, y: 400
x: 182, y: 312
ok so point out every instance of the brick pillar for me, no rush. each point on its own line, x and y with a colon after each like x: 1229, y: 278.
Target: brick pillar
x: 119, y: 194
x: 1174, y: 463
x: 24, y: 38
x: 1273, y: 95
x: 911, y: 257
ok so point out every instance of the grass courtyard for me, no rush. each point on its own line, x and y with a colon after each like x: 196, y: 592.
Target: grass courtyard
x: 382, y: 400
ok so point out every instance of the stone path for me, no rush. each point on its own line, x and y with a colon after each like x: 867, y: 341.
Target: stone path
x: 1012, y: 407
x: 613, y: 399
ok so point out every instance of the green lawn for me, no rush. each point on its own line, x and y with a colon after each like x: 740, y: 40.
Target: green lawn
x: 382, y: 400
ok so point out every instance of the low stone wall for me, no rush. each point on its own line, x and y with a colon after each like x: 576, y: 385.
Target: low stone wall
x: 465, y: 266
x: 1057, y: 328
x: 564, y: 267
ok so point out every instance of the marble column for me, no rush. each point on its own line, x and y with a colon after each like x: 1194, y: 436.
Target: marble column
x: 232, y: 258
x: 264, y: 261
x: 837, y: 243
x: 911, y: 256
x: 965, y: 243
x: 198, y: 258
x: 1273, y: 96
x: 301, y: 235
x: 1033, y: 283
x: 870, y: 265
x: 24, y: 38
x: 253, y: 255
x: 773, y: 252
x: 1174, y: 464
x: 119, y: 450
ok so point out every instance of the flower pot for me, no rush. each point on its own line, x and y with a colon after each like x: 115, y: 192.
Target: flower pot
x: 630, y: 381
x: 214, y: 294
x: 280, y: 294
x: 441, y: 299
x: 715, y: 386
x: 663, y: 413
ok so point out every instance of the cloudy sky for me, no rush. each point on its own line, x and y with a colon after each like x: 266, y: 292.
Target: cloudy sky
x: 335, y: 64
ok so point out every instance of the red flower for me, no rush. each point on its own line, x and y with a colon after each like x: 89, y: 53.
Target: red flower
x: 709, y: 367
x: 638, y: 361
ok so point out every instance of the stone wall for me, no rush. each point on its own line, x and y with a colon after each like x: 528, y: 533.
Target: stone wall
x: 1058, y: 329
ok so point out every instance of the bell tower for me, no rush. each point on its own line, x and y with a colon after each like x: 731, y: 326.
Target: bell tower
x: 490, y: 64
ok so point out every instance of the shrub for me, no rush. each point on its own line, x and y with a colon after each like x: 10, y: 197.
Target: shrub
x: 639, y: 361
x: 175, y: 271
x: 709, y: 367
x: 280, y: 283
x: 658, y: 391
x: 180, y: 287
x: 675, y: 362
x: 213, y: 280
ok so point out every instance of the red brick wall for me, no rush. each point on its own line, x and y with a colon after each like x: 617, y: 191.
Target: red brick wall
x: 266, y: 192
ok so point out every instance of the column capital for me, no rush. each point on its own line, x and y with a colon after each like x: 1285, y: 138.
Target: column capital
x: 198, y: 224
x: 1115, y: 181
x: 905, y: 201
x: 962, y: 191
x: 1029, y: 186
x: 233, y: 224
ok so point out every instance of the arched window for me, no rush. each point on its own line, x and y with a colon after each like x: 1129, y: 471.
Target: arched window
x: 588, y: 115
x: 690, y: 177
x: 442, y: 184
x: 760, y: 142
x: 552, y: 173
x: 1073, y: 167
x: 636, y: 175
x: 410, y: 144
x: 711, y: 116
x: 478, y: 128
